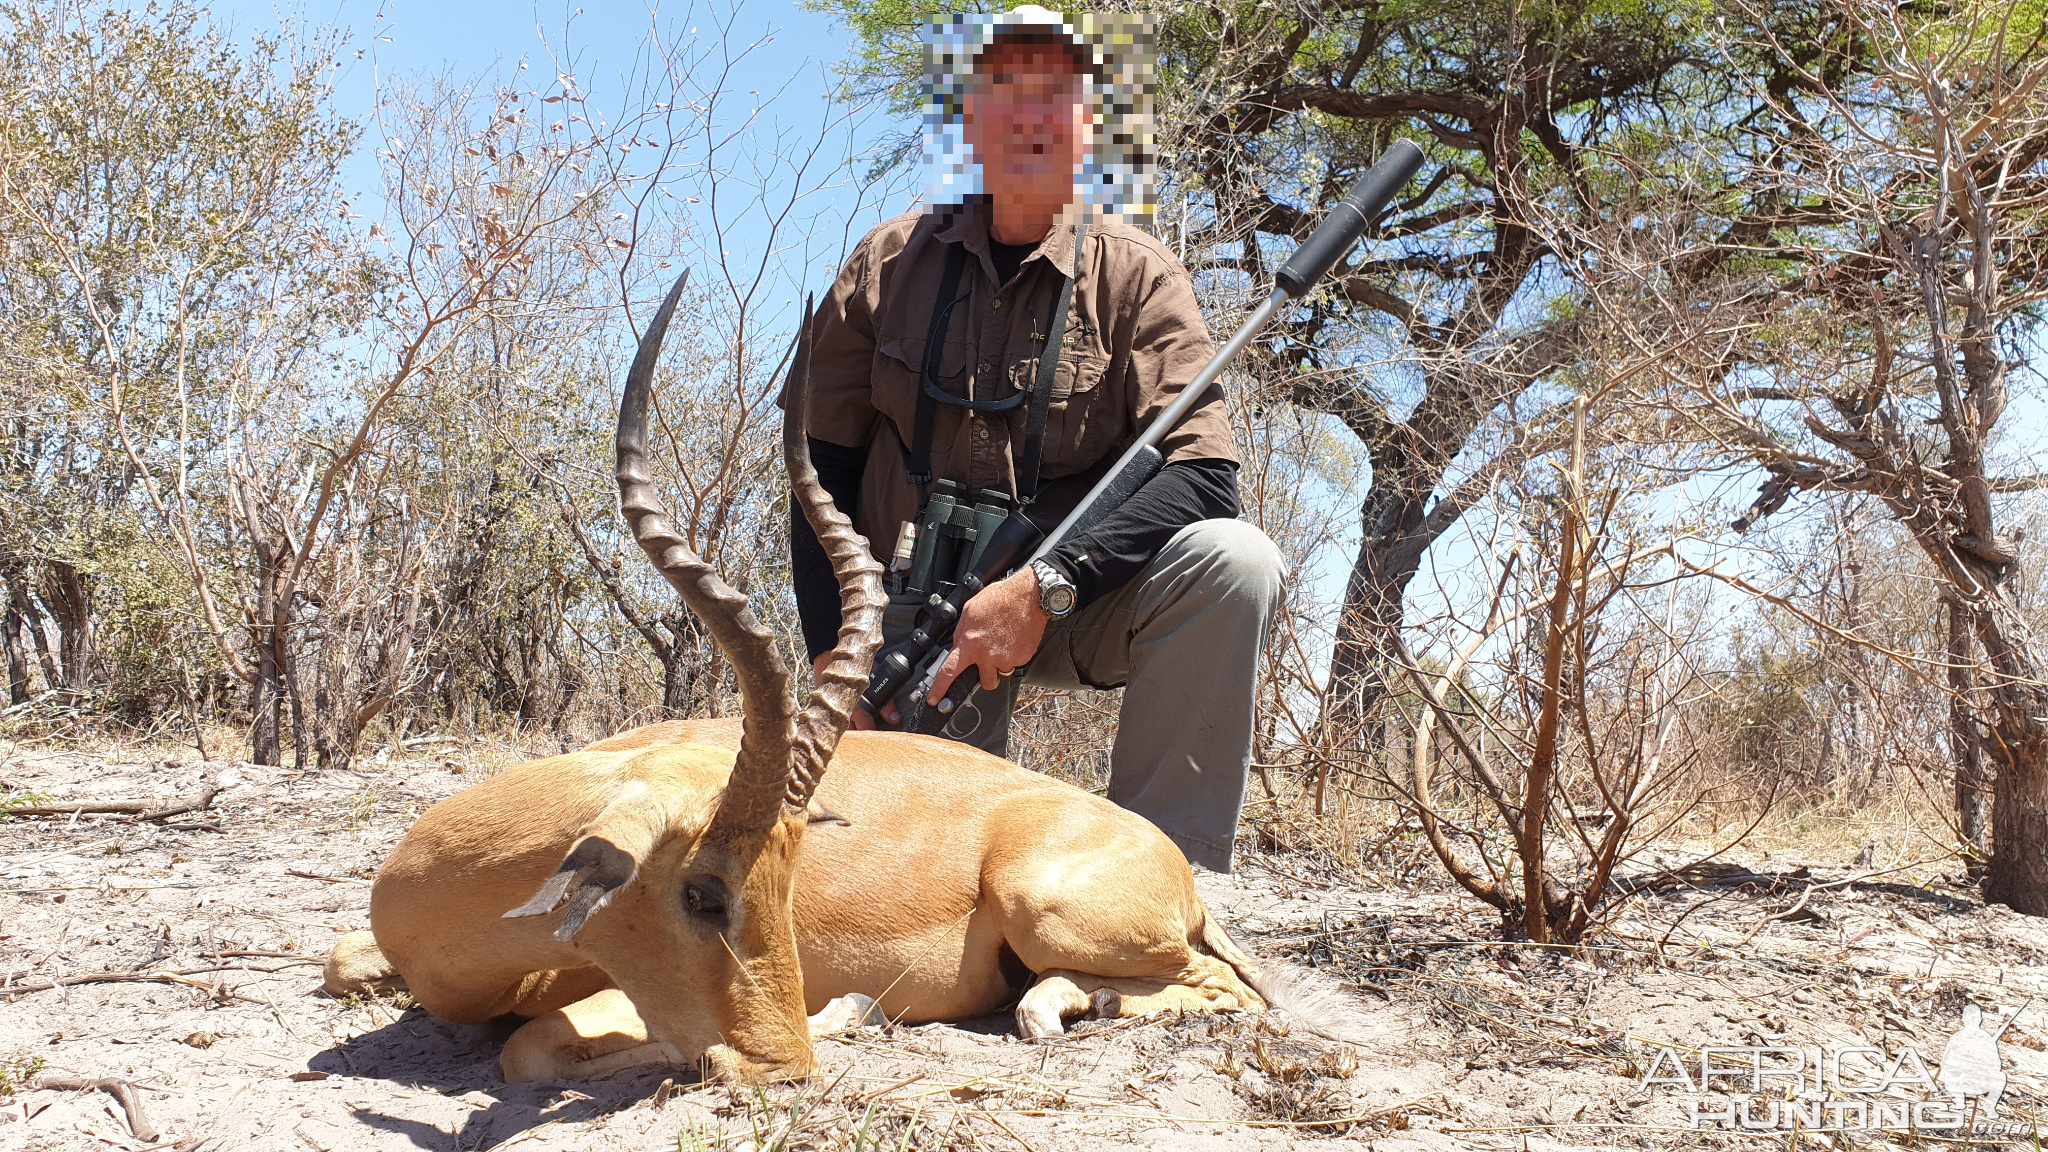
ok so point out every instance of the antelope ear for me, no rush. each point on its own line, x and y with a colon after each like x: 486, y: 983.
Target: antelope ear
x: 816, y: 813
x: 589, y: 876
x: 605, y: 859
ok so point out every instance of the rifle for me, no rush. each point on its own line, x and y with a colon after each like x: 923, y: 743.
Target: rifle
x: 1019, y: 540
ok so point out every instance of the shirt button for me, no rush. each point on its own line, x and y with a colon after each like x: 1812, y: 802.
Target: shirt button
x: 984, y: 367
x: 981, y: 431
x: 995, y: 303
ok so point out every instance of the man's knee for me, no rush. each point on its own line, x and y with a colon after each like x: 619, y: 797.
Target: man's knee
x: 1235, y: 559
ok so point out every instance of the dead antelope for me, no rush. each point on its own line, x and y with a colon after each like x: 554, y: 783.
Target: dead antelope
x: 714, y: 885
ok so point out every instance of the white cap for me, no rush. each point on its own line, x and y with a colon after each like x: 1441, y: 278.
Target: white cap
x: 1029, y: 23
x: 1115, y: 50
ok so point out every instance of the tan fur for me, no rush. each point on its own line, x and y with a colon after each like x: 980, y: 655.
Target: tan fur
x: 438, y: 907
x: 947, y: 855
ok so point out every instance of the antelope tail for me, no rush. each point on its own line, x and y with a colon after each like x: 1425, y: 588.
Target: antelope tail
x: 1313, y: 1000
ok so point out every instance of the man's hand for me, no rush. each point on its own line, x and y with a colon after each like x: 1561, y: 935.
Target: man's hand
x: 999, y: 629
x: 862, y: 722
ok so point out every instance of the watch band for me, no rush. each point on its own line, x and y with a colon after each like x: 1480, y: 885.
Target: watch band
x: 1051, y: 582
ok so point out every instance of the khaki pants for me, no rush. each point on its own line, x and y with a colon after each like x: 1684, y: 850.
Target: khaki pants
x: 1185, y: 640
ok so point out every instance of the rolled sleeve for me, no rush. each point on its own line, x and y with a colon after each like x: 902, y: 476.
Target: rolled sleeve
x: 1171, y: 344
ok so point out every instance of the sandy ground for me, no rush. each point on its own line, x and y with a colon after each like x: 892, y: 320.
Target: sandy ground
x: 188, y: 954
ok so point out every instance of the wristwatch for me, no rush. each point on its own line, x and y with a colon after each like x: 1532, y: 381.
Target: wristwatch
x: 1056, y: 594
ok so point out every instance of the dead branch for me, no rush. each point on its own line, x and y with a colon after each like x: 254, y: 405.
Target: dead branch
x: 172, y: 976
x: 1425, y: 807
x: 120, y: 1090
x: 139, y: 810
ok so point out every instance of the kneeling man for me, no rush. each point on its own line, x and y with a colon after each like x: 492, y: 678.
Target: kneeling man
x: 943, y: 327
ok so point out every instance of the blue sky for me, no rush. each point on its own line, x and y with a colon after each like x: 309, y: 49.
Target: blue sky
x: 477, y: 39
x: 389, y: 40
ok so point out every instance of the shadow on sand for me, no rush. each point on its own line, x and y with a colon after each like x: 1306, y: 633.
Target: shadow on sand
x: 420, y: 1051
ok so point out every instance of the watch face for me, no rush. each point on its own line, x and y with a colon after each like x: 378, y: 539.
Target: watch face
x: 1059, y: 599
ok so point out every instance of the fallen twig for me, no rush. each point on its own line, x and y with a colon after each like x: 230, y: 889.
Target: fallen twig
x: 1787, y: 914
x: 317, y: 876
x: 861, y: 1099
x: 120, y: 1090
x: 1006, y: 1130
x: 63, y: 852
x: 176, y: 976
x: 136, y: 810
x: 1331, y: 1122
x: 86, y: 807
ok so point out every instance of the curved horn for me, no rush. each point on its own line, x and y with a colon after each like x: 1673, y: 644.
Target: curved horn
x: 767, y: 732
x: 861, y: 601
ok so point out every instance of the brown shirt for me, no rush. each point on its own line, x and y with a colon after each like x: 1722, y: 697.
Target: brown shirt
x: 1134, y: 337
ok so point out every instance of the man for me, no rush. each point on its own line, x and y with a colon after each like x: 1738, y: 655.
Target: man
x: 1170, y: 598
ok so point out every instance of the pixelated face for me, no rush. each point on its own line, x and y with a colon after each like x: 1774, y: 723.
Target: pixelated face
x: 1027, y: 120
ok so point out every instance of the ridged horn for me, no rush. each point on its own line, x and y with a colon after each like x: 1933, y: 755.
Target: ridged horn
x: 824, y: 719
x: 762, y: 769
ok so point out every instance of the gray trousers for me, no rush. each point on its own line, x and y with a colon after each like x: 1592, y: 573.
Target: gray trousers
x: 1185, y: 639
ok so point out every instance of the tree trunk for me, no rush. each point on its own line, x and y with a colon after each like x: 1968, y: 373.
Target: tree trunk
x: 1390, y: 551
x: 266, y: 693
x: 676, y: 681
x: 2017, y: 873
x: 681, y: 663
x: 336, y: 731
x: 67, y: 592
x: 266, y: 708
x: 570, y: 682
x: 1966, y: 746
x: 294, y: 693
x: 18, y: 593
x: 17, y: 660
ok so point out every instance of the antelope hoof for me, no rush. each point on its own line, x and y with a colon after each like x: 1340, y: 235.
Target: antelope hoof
x: 1105, y: 1004
x: 853, y: 1010
x: 357, y: 966
x: 1037, y: 1021
x: 1045, y: 1007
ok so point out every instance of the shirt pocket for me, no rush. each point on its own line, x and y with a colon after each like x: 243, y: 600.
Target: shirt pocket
x: 899, y: 364
x: 1082, y: 422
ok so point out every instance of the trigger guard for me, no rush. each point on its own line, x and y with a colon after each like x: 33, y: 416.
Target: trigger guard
x: 954, y: 723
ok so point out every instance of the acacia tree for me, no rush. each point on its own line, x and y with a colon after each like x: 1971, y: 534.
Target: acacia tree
x: 1866, y: 346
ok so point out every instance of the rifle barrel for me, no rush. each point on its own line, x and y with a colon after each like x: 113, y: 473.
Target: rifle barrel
x: 1340, y: 229
x: 1169, y: 418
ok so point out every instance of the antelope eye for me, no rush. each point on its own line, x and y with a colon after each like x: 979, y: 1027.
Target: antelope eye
x: 705, y: 898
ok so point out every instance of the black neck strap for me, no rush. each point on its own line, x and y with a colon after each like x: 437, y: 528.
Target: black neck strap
x: 917, y: 461
x: 1041, y: 389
